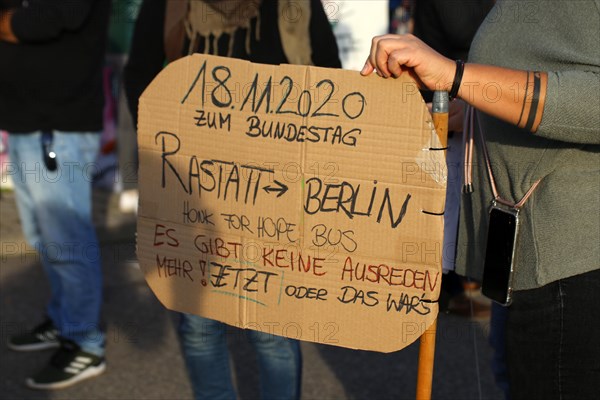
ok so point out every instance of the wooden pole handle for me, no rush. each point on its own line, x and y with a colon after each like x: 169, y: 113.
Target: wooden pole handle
x: 440, y: 112
x: 440, y: 122
x: 426, y: 358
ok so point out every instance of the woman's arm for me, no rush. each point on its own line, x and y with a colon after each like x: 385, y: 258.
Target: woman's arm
x: 514, y: 96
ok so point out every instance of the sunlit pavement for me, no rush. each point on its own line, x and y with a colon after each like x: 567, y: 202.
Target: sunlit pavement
x: 143, y: 358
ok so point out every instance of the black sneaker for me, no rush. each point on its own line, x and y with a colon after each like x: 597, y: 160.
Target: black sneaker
x: 42, y: 337
x: 68, y: 366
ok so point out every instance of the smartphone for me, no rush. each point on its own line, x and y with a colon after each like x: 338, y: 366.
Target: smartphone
x: 500, y: 255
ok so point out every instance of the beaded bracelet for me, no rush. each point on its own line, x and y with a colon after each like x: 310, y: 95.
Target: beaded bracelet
x: 460, y: 68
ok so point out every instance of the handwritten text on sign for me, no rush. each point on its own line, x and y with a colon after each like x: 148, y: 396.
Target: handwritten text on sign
x: 300, y: 201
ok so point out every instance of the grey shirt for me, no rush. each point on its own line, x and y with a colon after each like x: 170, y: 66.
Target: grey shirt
x: 560, y: 223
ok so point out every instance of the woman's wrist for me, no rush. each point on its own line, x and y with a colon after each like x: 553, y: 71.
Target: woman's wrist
x: 456, y: 82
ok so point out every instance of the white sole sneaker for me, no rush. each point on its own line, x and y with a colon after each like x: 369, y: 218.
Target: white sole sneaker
x: 33, y: 346
x: 89, y: 372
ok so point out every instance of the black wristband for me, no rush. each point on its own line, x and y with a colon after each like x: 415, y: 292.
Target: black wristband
x: 460, y: 68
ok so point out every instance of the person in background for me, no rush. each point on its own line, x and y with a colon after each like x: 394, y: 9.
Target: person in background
x: 269, y: 32
x: 539, y: 133
x: 449, y: 27
x: 354, y: 23
x: 400, y: 16
x: 51, y: 104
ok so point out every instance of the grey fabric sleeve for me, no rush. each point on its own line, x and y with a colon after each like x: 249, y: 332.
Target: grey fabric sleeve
x: 572, y: 108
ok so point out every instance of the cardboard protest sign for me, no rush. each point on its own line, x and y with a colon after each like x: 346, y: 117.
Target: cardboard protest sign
x: 300, y: 201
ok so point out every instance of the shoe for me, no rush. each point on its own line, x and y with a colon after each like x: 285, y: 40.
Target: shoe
x: 466, y: 306
x: 471, y: 285
x: 68, y: 366
x: 42, y: 337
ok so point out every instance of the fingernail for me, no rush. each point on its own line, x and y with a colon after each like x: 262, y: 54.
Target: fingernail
x: 364, y: 68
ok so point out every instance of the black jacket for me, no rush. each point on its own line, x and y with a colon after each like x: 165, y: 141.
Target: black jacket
x: 147, y: 56
x: 52, y: 79
x: 449, y: 26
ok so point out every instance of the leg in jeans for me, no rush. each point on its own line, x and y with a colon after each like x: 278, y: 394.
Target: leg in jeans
x: 206, y: 354
x: 204, y: 346
x: 553, y: 340
x: 280, y: 366
x: 498, y: 344
x: 55, y: 211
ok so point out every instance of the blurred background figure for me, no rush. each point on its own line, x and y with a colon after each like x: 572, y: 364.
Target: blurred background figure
x: 270, y: 32
x: 117, y: 117
x: 354, y: 23
x: 449, y: 28
x: 5, y: 179
x: 117, y: 168
x: 401, y: 20
x: 51, y: 104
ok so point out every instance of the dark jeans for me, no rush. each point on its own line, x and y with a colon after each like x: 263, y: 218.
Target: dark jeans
x: 553, y: 340
x: 498, y: 344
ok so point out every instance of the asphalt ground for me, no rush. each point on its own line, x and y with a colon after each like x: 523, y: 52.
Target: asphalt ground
x: 143, y: 356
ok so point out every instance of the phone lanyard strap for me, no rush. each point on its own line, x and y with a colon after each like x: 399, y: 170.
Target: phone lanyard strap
x: 468, y: 167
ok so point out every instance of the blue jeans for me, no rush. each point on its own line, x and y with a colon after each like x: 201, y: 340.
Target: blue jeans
x: 498, y: 344
x: 553, y: 340
x: 204, y: 345
x: 55, y: 208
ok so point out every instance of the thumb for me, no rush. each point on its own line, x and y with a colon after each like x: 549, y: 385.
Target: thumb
x: 367, y: 69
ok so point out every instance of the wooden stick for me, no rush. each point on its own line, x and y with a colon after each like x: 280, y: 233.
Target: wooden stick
x: 427, y: 346
x: 439, y: 113
x: 426, y: 358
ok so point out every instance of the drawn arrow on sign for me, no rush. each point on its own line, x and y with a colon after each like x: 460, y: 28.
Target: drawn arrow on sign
x: 281, y: 188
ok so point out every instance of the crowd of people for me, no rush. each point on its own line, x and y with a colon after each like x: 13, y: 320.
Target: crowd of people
x: 524, y: 80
